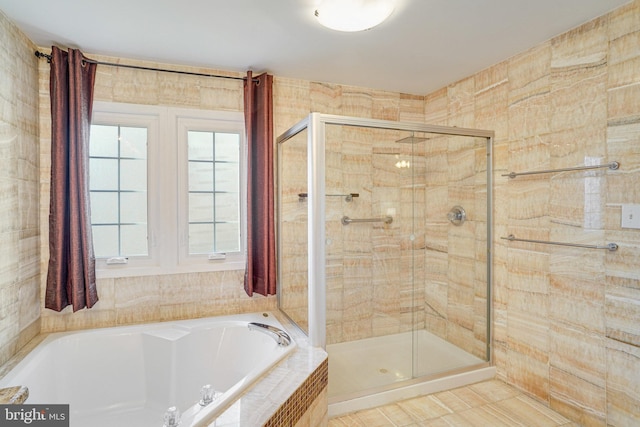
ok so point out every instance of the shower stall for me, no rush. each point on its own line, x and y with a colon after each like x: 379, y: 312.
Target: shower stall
x: 384, y: 253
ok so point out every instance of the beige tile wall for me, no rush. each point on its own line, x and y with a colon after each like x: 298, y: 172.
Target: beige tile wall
x: 154, y: 298
x: 149, y: 298
x: 19, y: 226
x: 376, y: 283
x: 565, y: 319
x: 363, y: 287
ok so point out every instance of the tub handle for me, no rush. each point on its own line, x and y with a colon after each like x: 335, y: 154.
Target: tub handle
x: 171, y: 417
x: 207, y: 394
x: 282, y: 338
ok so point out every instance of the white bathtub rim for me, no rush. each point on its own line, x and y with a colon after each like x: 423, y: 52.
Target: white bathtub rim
x: 197, y: 322
x: 20, y: 360
x: 199, y: 416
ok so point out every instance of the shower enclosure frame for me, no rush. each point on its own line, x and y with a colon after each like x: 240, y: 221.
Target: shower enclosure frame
x: 315, y: 124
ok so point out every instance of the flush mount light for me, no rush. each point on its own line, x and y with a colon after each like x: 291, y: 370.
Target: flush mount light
x: 353, y: 15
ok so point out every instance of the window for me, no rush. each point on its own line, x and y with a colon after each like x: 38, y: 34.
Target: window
x: 166, y: 189
x: 214, y: 193
x: 118, y: 187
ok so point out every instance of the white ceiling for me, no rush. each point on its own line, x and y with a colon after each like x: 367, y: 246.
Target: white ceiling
x: 423, y: 46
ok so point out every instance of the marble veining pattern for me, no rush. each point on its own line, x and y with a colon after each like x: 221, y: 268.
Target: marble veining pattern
x: 569, y: 100
x: 19, y: 189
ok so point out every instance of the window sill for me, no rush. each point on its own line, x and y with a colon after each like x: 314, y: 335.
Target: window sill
x: 118, y: 271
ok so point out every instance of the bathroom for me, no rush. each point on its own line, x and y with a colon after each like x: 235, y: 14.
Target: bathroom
x: 565, y: 323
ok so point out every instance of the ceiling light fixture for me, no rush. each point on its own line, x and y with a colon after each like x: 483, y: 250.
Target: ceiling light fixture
x: 353, y: 15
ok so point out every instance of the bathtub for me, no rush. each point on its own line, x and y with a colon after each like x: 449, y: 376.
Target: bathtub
x: 133, y: 375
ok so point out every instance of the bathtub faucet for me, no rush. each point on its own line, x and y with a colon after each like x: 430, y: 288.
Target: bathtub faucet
x: 281, y: 337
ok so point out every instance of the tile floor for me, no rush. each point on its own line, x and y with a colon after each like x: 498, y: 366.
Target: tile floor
x: 487, y: 404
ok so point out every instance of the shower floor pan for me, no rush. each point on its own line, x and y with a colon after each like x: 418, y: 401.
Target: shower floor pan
x: 377, y: 371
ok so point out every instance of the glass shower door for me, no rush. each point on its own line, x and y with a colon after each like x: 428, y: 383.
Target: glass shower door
x: 292, y: 233
x: 370, y: 291
x: 399, y: 293
x: 451, y: 257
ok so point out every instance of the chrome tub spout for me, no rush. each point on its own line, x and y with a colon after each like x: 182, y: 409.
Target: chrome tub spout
x: 281, y: 337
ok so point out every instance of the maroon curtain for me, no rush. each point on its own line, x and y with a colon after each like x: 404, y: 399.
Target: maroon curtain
x: 260, y: 274
x: 71, y: 275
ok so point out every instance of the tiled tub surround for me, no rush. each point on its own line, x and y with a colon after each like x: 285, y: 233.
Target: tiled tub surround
x: 130, y: 375
x: 295, y: 386
x: 13, y: 395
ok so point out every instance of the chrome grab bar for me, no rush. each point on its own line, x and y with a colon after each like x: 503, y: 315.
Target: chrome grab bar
x: 347, y: 197
x: 346, y: 220
x: 612, y: 166
x: 281, y: 337
x: 610, y: 246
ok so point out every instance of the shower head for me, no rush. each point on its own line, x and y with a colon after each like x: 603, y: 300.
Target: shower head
x: 410, y: 140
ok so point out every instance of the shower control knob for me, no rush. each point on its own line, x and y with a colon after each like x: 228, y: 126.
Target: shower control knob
x: 457, y: 215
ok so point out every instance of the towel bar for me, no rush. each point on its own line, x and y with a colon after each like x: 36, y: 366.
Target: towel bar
x: 346, y: 220
x: 610, y: 246
x: 347, y: 197
x: 612, y: 166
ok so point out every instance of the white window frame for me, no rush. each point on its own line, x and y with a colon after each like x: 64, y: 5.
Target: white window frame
x: 167, y: 187
x: 194, y: 121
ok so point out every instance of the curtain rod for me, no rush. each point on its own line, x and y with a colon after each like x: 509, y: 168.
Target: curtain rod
x: 138, y: 67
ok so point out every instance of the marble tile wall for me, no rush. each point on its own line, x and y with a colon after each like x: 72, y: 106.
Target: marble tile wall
x: 364, y: 290
x: 565, y: 319
x: 292, y: 233
x: 143, y: 299
x: 465, y: 284
x: 19, y: 226
x: 379, y: 281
